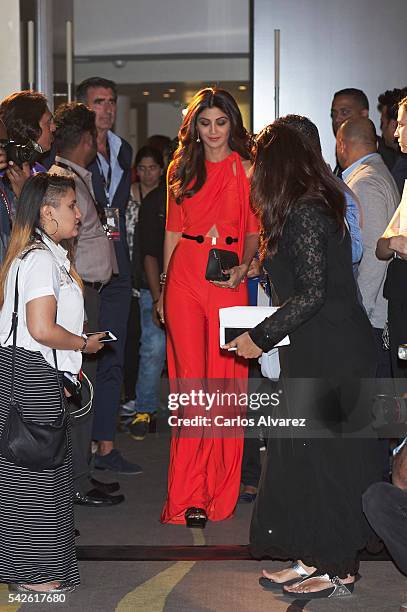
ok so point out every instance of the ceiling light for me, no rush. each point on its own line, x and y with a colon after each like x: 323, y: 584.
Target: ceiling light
x: 172, y: 90
x: 166, y: 95
x: 242, y: 87
x: 119, y: 63
x: 146, y: 93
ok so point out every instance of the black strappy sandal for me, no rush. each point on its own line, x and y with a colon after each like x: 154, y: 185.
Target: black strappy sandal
x: 196, y: 517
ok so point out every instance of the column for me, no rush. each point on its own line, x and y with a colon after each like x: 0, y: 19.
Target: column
x: 10, y: 50
x: 44, y: 62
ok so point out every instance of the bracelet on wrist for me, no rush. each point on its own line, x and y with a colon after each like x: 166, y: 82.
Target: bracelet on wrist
x: 84, y: 345
x: 163, y: 278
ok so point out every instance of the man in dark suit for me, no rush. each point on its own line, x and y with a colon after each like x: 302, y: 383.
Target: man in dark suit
x: 388, y: 108
x: 111, y: 184
x: 352, y: 103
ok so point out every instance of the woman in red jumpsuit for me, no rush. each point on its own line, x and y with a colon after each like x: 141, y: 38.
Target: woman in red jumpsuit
x: 208, y: 205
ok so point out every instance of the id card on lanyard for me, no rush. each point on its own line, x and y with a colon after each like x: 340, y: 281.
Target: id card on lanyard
x: 112, y: 222
x: 111, y: 213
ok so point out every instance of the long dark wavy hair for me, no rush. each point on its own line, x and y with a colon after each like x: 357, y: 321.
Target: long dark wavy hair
x: 187, y: 172
x: 288, y: 167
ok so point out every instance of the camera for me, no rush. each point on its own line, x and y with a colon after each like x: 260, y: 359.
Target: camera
x: 389, y: 410
x: 29, y: 152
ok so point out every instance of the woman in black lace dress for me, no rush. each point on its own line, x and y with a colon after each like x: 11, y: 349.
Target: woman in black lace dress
x: 308, y: 508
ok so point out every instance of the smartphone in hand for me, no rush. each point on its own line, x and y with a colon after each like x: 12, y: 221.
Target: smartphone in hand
x: 108, y: 337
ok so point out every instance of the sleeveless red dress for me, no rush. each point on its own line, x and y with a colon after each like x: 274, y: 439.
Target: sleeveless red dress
x: 205, y: 461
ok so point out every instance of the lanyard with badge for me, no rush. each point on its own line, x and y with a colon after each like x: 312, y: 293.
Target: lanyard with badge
x: 111, y: 212
x: 99, y: 208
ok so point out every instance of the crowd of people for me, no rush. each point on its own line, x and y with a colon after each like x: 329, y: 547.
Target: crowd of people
x: 91, y: 243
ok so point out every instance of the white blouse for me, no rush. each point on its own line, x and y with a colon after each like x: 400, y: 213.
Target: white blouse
x: 44, y: 271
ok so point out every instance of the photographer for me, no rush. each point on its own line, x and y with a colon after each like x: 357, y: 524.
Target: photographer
x: 385, y: 506
x: 28, y: 122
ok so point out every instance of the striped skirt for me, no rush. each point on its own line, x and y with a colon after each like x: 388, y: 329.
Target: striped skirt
x: 37, y: 541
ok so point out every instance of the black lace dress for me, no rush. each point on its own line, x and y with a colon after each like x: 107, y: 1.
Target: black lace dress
x: 309, y: 501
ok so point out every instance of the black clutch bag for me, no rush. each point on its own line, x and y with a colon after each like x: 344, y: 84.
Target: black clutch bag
x: 219, y: 260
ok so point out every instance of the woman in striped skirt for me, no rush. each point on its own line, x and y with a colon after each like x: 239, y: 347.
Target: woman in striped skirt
x: 37, y: 546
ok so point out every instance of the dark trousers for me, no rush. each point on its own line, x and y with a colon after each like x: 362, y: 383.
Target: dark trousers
x: 114, y: 312
x: 131, y: 354
x: 251, y: 466
x: 385, y: 507
x: 395, y: 293
x: 397, y: 314
x: 383, y: 356
x: 82, y: 427
x: 385, y: 385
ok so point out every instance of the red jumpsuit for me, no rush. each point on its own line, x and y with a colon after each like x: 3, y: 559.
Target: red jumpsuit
x: 204, y: 468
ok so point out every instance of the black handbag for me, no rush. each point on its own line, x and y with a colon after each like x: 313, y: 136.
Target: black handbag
x: 27, y: 443
x: 219, y: 260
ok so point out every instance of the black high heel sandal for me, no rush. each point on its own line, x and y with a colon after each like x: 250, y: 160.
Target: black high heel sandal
x: 196, y: 517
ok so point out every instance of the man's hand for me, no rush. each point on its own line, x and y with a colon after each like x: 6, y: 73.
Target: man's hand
x: 18, y: 176
x: 159, y: 307
x: 155, y: 316
x: 245, y: 347
x: 399, y: 244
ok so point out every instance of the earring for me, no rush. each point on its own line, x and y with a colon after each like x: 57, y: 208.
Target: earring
x: 56, y: 228
x: 198, y: 139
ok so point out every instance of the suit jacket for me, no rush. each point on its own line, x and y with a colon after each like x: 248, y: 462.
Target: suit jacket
x: 120, y: 200
x: 378, y: 195
x: 399, y: 171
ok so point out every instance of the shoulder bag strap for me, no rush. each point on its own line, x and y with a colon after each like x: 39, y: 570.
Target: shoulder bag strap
x: 13, y: 330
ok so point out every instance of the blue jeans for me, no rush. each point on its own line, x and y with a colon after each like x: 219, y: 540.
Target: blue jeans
x: 151, y: 358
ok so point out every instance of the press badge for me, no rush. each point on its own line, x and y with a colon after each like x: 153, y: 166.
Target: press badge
x: 112, y: 223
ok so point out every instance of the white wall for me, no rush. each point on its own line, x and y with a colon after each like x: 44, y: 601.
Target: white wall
x: 167, y: 71
x: 123, y: 119
x: 327, y: 46
x: 117, y: 27
x: 163, y: 118
x: 10, y: 47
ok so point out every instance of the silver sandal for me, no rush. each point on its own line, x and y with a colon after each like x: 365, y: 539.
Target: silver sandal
x: 270, y: 585
x: 336, y: 589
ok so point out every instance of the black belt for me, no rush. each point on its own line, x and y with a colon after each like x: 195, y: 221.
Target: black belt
x: 200, y: 238
x: 94, y: 285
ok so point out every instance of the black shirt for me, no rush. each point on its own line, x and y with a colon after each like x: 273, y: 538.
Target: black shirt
x: 152, y: 225
x: 399, y: 171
